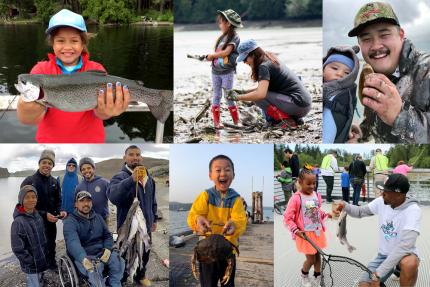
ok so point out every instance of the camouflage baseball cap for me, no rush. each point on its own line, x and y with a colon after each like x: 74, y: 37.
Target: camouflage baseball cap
x: 232, y: 17
x: 371, y: 13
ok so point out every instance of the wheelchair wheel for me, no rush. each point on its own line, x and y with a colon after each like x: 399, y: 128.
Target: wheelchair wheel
x: 67, y: 272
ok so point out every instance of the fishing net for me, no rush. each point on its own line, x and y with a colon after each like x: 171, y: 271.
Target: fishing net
x: 340, y: 271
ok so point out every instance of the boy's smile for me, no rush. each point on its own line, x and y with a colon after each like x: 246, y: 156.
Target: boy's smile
x: 221, y: 174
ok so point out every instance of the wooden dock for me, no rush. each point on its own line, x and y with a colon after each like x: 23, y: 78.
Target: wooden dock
x: 254, y: 264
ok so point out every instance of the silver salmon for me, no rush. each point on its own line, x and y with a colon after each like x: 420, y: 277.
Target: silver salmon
x: 78, y: 92
x: 341, y: 232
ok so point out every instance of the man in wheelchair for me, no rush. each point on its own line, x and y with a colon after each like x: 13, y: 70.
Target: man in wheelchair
x: 89, y: 242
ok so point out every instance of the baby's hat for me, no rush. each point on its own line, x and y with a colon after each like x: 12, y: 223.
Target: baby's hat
x: 340, y: 58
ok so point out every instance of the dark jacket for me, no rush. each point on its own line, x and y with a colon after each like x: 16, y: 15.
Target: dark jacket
x: 357, y: 169
x: 340, y: 96
x: 48, y: 193
x: 86, y: 236
x: 98, y: 189
x: 28, y: 241
x: 121, y: 192
x: 295, y: 166
x: 412, y: 124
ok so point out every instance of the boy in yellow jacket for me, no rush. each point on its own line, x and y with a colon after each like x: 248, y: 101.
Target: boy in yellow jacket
x: 220, y: 210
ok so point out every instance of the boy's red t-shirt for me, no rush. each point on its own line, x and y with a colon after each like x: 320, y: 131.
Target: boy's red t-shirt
x: 68, y: 127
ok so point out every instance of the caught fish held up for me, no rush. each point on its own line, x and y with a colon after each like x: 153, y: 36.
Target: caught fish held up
x: 341, y: 232
x: 133, y: 238
x: 78, y: 92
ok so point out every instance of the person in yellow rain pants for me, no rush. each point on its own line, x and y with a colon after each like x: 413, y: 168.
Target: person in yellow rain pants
x: 218, y: 210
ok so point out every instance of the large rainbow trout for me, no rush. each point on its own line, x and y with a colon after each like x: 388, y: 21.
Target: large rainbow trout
x: 78, y: 92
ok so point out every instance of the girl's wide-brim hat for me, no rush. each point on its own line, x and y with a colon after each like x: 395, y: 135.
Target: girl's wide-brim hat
x: 232, y: 17
x: 245, y: 48
x: 66, y: 18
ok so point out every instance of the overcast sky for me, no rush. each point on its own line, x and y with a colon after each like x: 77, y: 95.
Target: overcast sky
x: 189, y: 169
x: 26, y: 156
x: 338, y: 19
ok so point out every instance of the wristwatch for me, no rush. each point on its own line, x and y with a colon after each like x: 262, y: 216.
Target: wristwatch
x: 375, y: 277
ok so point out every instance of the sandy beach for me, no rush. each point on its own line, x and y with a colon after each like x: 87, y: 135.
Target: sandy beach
x: 11, y: 275
x: 299, y: 48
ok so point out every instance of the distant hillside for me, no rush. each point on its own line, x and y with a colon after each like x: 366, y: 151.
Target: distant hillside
x: 4, y: 172
x: 108, y: 168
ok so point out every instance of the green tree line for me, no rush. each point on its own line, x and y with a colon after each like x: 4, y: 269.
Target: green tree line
x: 100, y: 11
x: 203, y: 11
x: 417, y: 155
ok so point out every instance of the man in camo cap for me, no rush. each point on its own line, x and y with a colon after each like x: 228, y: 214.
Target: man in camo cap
x: 396, y: 97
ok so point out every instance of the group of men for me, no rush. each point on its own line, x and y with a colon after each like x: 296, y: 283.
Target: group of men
x: 83, y: 207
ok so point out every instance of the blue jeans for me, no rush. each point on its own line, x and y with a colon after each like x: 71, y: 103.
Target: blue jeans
x: 373, y: 265
x: 116, y: 269
x: 34, y: 279
x: 356, y: 194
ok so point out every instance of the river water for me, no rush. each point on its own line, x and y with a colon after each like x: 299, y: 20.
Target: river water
x: 143, y: 53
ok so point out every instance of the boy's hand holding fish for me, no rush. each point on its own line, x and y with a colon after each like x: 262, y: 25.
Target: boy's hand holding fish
x: 109, y: 105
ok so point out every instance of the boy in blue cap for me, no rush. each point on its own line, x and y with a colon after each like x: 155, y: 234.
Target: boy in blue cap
x: 340, y: 70
x: 67, y: 34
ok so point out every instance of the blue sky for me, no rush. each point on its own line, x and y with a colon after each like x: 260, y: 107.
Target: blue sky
x: 189, y: 169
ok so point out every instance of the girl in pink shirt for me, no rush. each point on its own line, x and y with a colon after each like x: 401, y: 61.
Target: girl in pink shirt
x: 305, y: 216
x: 402, y: 168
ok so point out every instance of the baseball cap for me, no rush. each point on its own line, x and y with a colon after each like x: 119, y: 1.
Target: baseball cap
x: 66, y: 18
x: 83, y: 194
x: 371, y: 13
x: 245, y: 48
x: 395, y: 183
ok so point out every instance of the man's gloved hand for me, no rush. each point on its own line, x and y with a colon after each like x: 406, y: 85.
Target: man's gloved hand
x: 232, y: 95
x: 88, y: 265
x: 106, y: 255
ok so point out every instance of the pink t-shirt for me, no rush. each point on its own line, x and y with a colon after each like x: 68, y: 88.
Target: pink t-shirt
x: 402, y: 169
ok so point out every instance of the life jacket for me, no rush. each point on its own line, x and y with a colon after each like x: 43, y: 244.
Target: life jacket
x: 381, y: 162
x: 326, y: 163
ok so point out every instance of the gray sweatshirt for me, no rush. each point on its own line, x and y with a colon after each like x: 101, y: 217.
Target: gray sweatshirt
x: 407, y: 237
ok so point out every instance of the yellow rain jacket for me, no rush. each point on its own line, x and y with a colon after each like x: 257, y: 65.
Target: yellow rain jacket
x: 218, y: 211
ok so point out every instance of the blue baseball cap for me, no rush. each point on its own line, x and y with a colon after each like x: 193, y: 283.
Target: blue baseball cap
x: 66, y: 18
x: 245, y: 48
x: 347, y: 61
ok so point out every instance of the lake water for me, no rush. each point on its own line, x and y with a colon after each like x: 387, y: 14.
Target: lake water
x: 8, y: 199
x: 136, y: 52
x: 178, y: 220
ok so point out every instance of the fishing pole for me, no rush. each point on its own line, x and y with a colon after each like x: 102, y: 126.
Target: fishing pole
x: 419, y: 155
x: 7, y: 108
